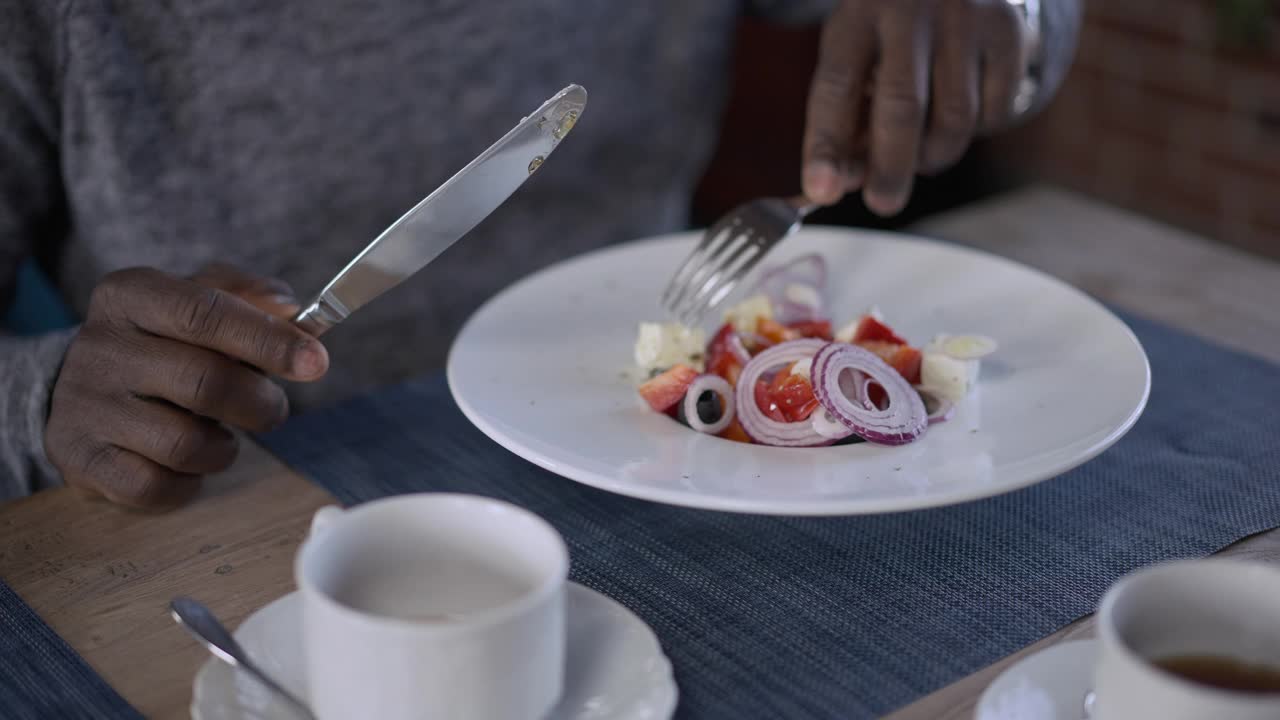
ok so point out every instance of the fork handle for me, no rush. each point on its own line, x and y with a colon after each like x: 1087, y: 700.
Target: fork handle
x: 802, y: 205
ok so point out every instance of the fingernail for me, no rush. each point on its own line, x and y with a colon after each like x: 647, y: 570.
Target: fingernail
x: 822, y: 182
x: 882, y: 204
x: 288, y: 304
x: 311, y: 360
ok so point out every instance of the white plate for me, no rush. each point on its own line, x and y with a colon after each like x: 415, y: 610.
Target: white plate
x: 1049, y: 685
x: 614, y: 667
x: 545, y: 369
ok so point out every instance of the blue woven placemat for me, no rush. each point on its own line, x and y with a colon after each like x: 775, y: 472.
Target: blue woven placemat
x: 42, y: 678
x: 806, y: 617
x: 792, y: 618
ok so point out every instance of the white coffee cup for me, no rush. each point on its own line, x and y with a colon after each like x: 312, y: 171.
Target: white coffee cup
x: 1223, y: 608
x: 433, y: 606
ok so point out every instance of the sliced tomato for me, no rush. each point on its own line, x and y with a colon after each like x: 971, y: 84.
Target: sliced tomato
x: 666, y: 390
x: 877, y: 395
x: 719, y: 344
x: 871, y: 329
x: 735, y: 432
x: 796, y: 400
x: 820, y: 329
x: 764, y: 401
x: 792, y: 395
x: 907, y: 361
x: 774, y: 331
x: 781, y: 378
x: 903, y: 358
x: 720, y: 358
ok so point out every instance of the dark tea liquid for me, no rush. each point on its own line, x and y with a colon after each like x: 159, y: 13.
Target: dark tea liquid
x: 1224, y: 672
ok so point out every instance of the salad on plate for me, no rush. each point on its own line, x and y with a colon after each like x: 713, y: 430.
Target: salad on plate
x: 777, y: 372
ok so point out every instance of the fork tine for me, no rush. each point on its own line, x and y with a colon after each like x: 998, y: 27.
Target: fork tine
x: 696, y: 258
x: 711, y: 264
x: 696, y: 304
x: 722, y: 282
x: 721, y: 237
x: 679, y: 279
x: 727, y: 252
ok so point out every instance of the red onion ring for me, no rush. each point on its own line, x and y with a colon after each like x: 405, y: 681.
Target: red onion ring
x: 900, y: 423
x: 939, y: 408
x: 760, y: 427
x: 828, y: 427
x: 807, y: 270
x: 854, y: 384
x: 700, y: 385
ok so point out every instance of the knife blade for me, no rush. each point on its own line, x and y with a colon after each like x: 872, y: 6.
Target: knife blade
x: 446, y: 215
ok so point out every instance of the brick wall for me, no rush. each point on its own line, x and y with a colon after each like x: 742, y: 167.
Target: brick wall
x: 1162, y: 115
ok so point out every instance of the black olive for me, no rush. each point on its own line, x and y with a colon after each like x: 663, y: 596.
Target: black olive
x: 709, y: 407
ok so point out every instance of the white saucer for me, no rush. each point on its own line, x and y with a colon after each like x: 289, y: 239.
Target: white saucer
x: 615, y: 667
x: 1049, y: 685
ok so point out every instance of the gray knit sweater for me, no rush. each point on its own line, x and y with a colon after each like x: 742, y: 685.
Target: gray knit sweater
x: 283, y: 136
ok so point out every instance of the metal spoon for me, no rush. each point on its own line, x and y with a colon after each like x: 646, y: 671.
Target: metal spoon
x: 201, y: 623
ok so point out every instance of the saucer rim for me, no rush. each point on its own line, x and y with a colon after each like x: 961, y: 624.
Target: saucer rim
x: 1081, y: 644
x: 661, y: 670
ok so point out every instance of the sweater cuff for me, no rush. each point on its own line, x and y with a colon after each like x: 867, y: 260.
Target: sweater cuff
x: 29, y: 368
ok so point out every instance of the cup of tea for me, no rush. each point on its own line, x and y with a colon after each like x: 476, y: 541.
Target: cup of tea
x: 1190, y: 640
x: 433, y: 606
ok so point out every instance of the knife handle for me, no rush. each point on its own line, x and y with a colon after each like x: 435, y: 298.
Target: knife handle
x: 318, y: 317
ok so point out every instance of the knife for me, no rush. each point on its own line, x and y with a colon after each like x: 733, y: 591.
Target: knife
x: 447, y: 214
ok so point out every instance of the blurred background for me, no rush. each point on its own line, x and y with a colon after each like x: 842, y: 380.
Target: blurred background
x: 1172, y: 110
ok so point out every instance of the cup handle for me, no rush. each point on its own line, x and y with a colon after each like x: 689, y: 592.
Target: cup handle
x: 324, y: 517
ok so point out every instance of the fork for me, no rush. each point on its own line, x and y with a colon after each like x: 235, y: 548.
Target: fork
x: 727, y: 252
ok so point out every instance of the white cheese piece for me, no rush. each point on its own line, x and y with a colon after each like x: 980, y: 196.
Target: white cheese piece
x: 964, y: 347
x: 947, y: 376
x: 845, y: 334
x: 803, y: 368
x: 745, y: 314
x: 660, y: 346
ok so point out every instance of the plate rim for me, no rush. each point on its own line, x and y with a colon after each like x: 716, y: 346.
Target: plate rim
x: 816, y: 507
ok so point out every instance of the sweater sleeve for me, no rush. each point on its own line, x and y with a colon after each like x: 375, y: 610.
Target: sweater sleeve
x: 30, y: 213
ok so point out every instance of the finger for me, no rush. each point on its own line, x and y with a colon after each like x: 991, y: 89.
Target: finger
x: 898, y: 110
x: 1002, y: 65
x: 127, y: 478
x: 834, y: 106
x: 208, y: 384
x: 270, y: 295
x: 191, y: 313
x: 953, y: 103
x: 228, y: 277
x: 172, y: 437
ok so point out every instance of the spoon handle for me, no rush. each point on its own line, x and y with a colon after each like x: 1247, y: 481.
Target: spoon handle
x: 205, y: 627
x: 247, y: 665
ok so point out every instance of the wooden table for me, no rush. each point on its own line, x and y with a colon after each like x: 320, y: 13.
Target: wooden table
x: 102, y: 576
